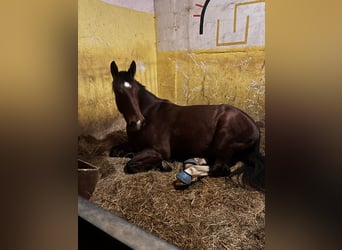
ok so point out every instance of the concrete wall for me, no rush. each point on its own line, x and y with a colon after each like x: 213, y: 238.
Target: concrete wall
x: 220, y: 59
x: 111, y: 30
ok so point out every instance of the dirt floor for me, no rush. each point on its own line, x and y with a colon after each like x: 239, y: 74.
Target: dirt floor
x: 214, y: 213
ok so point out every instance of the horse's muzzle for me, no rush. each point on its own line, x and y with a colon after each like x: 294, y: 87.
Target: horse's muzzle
x: 136, y: 125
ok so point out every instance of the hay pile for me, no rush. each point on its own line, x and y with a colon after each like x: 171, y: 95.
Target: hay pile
x: 212, y: 214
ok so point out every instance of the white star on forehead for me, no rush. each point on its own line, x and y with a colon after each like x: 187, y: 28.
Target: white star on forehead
x: 127, y: 85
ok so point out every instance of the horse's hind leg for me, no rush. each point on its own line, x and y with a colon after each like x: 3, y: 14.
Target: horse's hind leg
x: 226, y: 157
x: 223, y: 152
x: 219, y: 168
x: 143, y: 161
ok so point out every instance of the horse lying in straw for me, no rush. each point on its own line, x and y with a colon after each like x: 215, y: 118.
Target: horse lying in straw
x: 160, y: 130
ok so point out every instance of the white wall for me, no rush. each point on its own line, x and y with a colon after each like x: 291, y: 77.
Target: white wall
x: 178, y: 24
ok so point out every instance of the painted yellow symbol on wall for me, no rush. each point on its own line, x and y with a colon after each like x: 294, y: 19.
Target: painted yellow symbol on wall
x: 219, y: 26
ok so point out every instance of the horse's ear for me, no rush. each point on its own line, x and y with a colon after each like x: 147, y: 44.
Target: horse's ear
x: 114, y: 69
x: 131, y: 69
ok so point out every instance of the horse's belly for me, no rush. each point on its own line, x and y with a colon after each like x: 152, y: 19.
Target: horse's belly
x: 190, y: 146
x: 182, y: 154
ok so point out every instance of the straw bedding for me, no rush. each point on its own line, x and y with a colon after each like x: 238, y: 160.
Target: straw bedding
x: 214, y: 213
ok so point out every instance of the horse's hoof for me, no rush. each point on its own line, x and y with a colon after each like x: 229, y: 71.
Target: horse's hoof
x: 219, y: 171
x: 130, y: 170
x: 180, y: 185
x: 116, y: 152
x: 166, y: 166
x: 129, y: 155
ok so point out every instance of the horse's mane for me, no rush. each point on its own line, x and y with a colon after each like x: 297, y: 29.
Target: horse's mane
x: 142, y: 89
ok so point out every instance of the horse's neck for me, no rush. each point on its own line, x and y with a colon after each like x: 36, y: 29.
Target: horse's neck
x: 147, y: 99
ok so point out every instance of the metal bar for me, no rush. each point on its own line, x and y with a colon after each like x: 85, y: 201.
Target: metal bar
x: 120, y: 229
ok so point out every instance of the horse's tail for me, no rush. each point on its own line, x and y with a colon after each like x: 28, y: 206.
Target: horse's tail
x: 253, y: 171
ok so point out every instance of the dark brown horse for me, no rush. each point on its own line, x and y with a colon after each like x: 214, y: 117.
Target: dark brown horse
x: 160, y: 130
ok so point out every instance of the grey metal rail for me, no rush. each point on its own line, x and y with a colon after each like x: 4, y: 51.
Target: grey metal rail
x: 120, y: 229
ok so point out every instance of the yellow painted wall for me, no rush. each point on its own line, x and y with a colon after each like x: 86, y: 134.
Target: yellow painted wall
x: 105, y: 33
x: 233, y: 76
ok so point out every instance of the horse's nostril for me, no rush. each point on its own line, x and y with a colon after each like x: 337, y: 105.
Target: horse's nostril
x: 136, y: 124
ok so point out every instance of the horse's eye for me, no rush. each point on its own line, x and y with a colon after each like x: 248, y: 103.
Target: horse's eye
x: 127, y: 85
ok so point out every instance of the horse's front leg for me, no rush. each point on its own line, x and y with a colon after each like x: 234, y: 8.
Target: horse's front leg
x: 143, y: 161
x: 122, y: 150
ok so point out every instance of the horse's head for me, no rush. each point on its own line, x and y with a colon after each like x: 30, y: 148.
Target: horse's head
x: 126, y: 91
